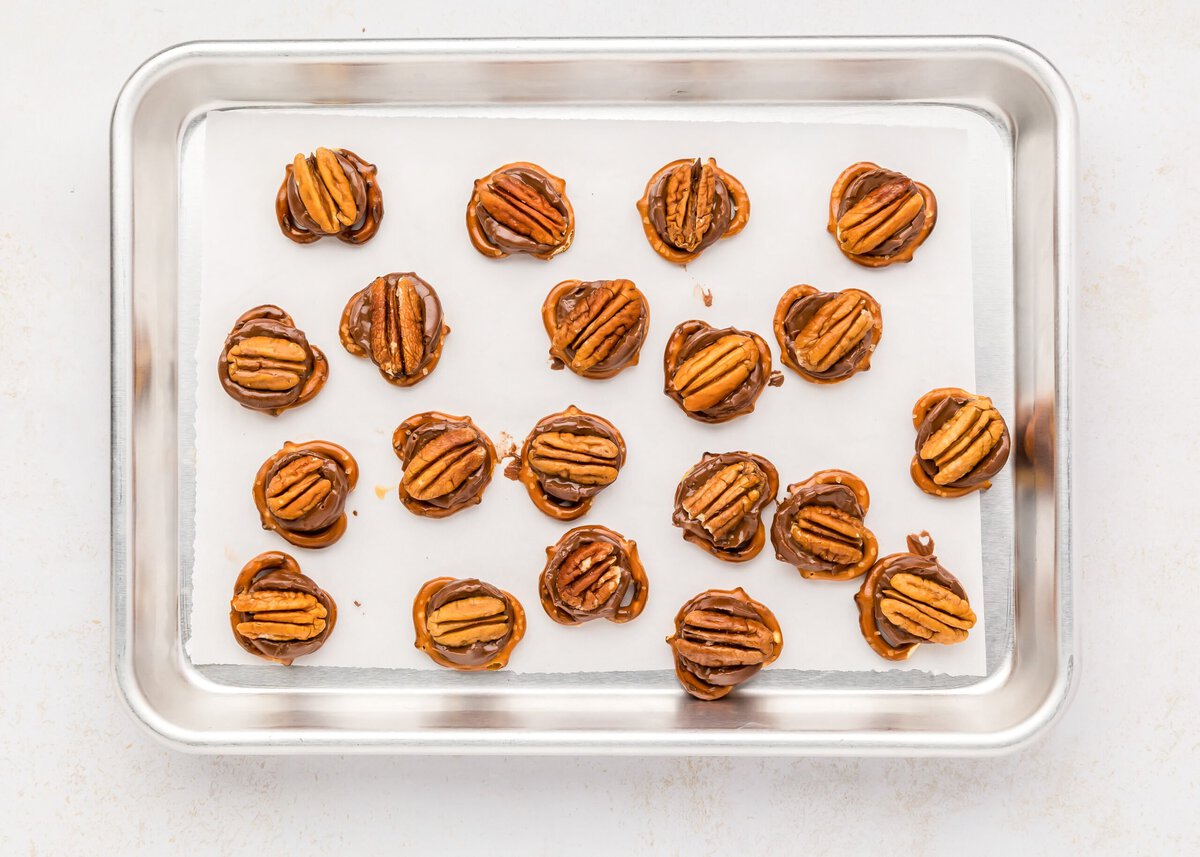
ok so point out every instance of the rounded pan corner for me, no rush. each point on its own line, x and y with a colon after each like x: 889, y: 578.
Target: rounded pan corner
x: 145, y: 715
x: 153, y: 69
x: 1039, y: 68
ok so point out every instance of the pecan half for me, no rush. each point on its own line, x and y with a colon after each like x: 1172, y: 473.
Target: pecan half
x: 879, y: 216
x: 448, y: 463
x: 819, y: 527
x: 567, y: 459
x: 467, y: 624
x: 962, y: 442
x: 276, y: 612
x: 593, y: 573
x: 520, y: 208
x: 908, y: 599
x: 688, y: 205
x: 597, y: 328
x: 397, y: 323
x: 301, y: 492
x: 722, y: 638
x: 268, y: 365
x: 826, y: 337
x: 719, y: 504
x: 716, y: 374
x: 330, y: 192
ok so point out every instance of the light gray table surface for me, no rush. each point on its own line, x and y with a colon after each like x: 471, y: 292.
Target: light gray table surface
x: 1120, y: 774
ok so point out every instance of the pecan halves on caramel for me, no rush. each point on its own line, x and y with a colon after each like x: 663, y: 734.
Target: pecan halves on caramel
x: 520, y: 208
x: 716, y: 374
x: 567, y: 459
x: 597, y: 328
x: 593, y: 573
x: 301, y: 492
x: 826, y: 337
x: 819, y: 527
x: 276, y: 612
x: 267, y: 363
x: 688, y: 205
x: 962, y: 442
x: 332, y: 192
x: 448, y: 463
x: 719, y: 504
x: 397, y: 323
x: 879, y: 216
x: 467, y: 624
x: 722, y: 638
x: 908, y: 599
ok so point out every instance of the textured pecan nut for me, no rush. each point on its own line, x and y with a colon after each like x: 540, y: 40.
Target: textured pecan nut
x: 330, y: 192
x: 593, y: 573
x: 520, y: 208
x: 719, y: 504
x: 397, y: 323
x: 908, y: 599
x: 467, y: 624
x: 716, y: 374
x: 879, y: 216
x: 826, y: 337
x: 567, y: 459
x: 597, y: 328
x: 962, y: 442
x: 819, y: 528
x: 278, y: 613
x: 722, y: 638
x: 268, y: 365
x: 448, y: 463
x: 301, y: 492
x: 688, y: 205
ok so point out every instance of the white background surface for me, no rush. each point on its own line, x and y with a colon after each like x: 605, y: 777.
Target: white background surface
x: 1120, y: 774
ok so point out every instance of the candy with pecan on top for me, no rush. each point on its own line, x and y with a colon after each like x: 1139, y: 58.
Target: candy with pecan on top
x: 268, y: 365
x: 908, y: 599
x: 597, y: 328
x: 448, y: 463
x: 567, y: 459
x: 879, y: 216
x: 520, y: 208
x: 467, y: 624
x: 397, y: 323
x: 331, y: 192
x: 593, y: 573
x: 722, y: 638
x: 276, y: 612
x: 962, y: 442
x: 827, y: 336
x: 819, y: 527
x: 716, y: 374
x: 688, y: 205
x: 301, y: 492
x: 719, y: 504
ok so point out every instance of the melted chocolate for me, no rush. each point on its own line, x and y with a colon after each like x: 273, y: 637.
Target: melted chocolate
x: 627, y: 599
x: 693, y: 336
x: 863, y: 185
x: 839, y: 497
x: 722, y: 208
x: 625, y: 349
x: 799, y: 314
x: 709, y: 681
x: 480, y: 655
x: 278, y: 571
x: 356, y: 327
x: 504, y: 238
x: 412, y: 436
x: 272, y: 322
x: 910, y: 563
x: 298, y: 225
x: 745, y: 540
x: 988, y: 466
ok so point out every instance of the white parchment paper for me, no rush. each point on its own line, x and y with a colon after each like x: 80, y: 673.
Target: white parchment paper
x: 495, y: 368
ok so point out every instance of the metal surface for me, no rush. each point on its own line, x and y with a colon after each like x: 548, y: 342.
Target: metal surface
x: 1023, y: 347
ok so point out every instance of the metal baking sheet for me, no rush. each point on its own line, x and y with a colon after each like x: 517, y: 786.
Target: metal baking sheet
x: 1020, y: 119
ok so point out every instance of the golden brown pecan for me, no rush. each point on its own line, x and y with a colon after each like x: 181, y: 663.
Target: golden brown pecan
x: 926, y: 609
x: 593, y: 573
x: 267, y: 364
x: 448, y: 463
x: 467, y: 624
x: 597, y: 328
x: 477, y: 619
x: 722, y: 639
x: 718, y: 504
x: 831, y: 534
x: 715, y: 371
x: 716, y: 374
x: 298, y: 487
x: 278, y: 613
x: 721, y: 501
x: 301, y: 492
x: 688, y: 205
x: 443, y: 465
x: 826, y: 337
x: 567, y: 459
x: 879, y: 216
x: 962, y: 442
x: 330, y: 192
x: 397, y: 323
x: 580, y: 458
x: 520, y: 208
x: 820, y: 530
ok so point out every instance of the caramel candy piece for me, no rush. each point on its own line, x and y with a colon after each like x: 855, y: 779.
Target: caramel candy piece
x: 879, y: 216
x: 397, y: 323
x: 520, y: 208
x: 593, y: 573
x: 467, y: 624
x: 688, y: 205
x: 819, y: 527
x: 722, y: 638
x: 962, y: 442
x: 826, y: 337
x: 567, y: 459
x: 597, y: 328
x: 276, y: 612
x: 448, y: 463
x: 331, y: 192
x: 719, y: 504
x: 268, y: 365
x: 908, y: 599
x: 301, y: 492
x: 716, y: 374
